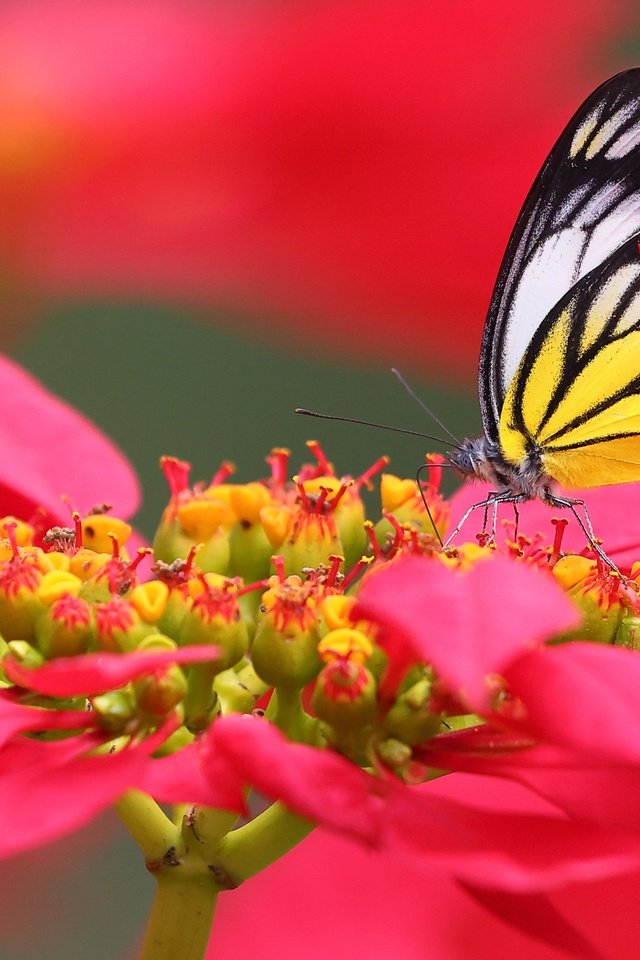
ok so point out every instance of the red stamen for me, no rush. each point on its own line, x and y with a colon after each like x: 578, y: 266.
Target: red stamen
x: 135, y: 563
x: 278, y: 564
x: 224, y: 471
x: 302, y: 493
x: 249, y: 587
x: 10, y: 529
x: 322, y: 496
x: 77, y: 523
x: 561, y: 526
x: 176, y: 473
x: 365, y: 478
x: 435, y: 473
x: 373, y: 543
x: 115, y: 546
x: 279, y: 463
x: 339, y: 495
x: 325, y: 467
x: 333, y: 570
x: 355, y: 570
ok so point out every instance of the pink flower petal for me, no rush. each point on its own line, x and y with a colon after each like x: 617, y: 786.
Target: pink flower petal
x: 93, y: 673
x: 309, y: 170
x: 15, y: 718
x: 583, y: 696
x: 576, y: 782
x: 50, y: 789
x: 181, y: 778
x: 536, y: 916
x: 463, y: 624
x: 502, y: 850
x: 513, y: 851
x: 56, y: 451
x: 317, y: 784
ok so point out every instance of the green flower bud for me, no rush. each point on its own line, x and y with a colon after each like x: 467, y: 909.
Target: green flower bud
x: 25, y: 654
x: 345, y: 695
x: 239, y: 690
x: 115, y: 710
x: 628, y: 633
x: 409, y: 719
x: 66, y: 628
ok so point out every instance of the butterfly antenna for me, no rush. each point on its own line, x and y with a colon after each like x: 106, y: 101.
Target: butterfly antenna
x: 421, y: 403
x: 370, y: 423
x: 425, y: 466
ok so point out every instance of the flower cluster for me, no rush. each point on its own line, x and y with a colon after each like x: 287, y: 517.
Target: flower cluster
x: 277, y: 639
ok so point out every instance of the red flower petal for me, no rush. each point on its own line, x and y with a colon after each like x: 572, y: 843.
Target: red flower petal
x: 340, y: 159
x: 317, y: 784
x: 181, y: 778
x: 503, y: 850
x: 56, y: 451
x: 463, y: 624
x: 50, y: 789
x: 15, y: 718
x: 92, y: 673
x: 493, y: 848
x: 583, y: 696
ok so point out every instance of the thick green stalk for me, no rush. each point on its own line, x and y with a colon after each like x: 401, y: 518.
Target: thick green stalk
x: 249, y: 849
x: 181, y: 916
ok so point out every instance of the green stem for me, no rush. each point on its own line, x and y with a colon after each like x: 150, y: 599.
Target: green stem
x: 181, y: 917
x: 152, y: 830
x: 285, y: 711
x: 266, y: 838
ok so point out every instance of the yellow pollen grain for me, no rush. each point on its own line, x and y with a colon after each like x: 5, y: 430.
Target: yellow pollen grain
x: 86, y: 563
x: 248, y: 500
x: 317, y: 484
x: 201, y: 518
x: 571, y: 570
x: 22, y: 531
x: 275, y: 522
x: 55, y: 560
x: 345, y: 642
x: 394, y: 491
x: 57, y: 583
x: 98, y: 530
x: 336, y: 610
x: 150, y: 599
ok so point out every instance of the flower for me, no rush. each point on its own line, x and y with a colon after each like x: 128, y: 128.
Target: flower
x: 341, y: 159
x: 51, y: 451
x: 340, y: 690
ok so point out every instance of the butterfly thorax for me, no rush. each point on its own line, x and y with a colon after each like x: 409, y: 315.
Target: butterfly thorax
x: 481, y: 459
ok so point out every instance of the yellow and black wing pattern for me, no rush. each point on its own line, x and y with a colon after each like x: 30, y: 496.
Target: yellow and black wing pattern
x: 560, y: 357
x: 575, y: 399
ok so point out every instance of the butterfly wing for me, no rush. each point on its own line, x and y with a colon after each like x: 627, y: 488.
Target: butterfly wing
x: 583, y: 205
x: 575, y: 398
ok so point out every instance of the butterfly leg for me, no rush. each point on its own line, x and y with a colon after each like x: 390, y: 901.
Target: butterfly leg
x: 483, y: 505
x: 586, y: 526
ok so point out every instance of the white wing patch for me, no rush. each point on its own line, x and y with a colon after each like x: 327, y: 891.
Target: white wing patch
x: 583, y: 132
x: 608, y: 130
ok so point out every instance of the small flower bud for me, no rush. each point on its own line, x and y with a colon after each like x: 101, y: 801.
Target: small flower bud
x: 115, y: 710
x: 410, y: 720
x: 628, y: 633
x: 65, y: 628
x: 285, y: 646
x: 25, y: 654
x: 214, y: 618
x: 345, y: 694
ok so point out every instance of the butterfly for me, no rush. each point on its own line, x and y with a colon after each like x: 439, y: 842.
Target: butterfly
x: 559, y: 372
